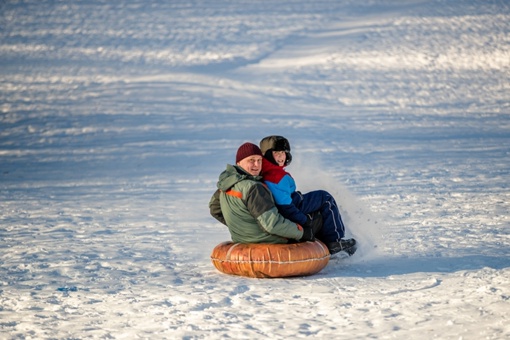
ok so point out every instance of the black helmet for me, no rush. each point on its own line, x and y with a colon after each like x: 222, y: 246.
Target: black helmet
x: 275, y: 143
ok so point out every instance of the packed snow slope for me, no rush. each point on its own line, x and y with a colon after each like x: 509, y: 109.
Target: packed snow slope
x: 116, y: 118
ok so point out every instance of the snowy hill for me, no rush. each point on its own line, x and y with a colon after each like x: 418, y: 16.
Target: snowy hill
x: 117, y: 118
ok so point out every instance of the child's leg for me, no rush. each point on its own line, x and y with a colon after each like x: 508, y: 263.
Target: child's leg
x: 333, y: 227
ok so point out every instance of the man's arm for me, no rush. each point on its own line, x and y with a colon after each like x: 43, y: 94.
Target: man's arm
x: 215, y: 207
x: 260, y: 204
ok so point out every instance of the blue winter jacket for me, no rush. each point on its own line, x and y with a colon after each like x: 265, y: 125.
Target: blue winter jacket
x: 283, y: 188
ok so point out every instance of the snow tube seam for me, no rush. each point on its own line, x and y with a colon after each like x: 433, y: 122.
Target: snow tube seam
x: 270, y: 261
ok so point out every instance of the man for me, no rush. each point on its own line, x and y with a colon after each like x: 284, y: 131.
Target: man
x: 245, y: 205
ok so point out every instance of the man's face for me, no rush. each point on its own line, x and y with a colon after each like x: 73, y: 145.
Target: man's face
x: 251, y: 164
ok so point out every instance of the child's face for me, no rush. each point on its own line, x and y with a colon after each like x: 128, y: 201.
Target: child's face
x: 280, y: 157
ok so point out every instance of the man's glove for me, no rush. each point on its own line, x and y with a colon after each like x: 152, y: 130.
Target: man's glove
x: 307, y: 234
x: 314, y: 221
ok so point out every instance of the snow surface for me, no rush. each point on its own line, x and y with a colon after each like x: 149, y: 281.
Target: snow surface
x: 118, y: 116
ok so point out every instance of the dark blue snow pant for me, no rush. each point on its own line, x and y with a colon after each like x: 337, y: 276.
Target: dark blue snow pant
x: 333, y: 228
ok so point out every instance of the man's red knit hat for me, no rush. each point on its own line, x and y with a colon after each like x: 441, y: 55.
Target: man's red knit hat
x: 247, y: 150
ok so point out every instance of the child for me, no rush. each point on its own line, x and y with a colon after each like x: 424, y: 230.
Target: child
x: 298, y: 207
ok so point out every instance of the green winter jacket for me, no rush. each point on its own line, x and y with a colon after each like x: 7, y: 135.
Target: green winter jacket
x: 245, y: 205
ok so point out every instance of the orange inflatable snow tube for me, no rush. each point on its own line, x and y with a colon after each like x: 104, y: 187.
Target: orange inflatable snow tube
x: 270, y: 260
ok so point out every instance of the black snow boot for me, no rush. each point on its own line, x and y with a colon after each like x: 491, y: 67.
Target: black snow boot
x: 348, y: 246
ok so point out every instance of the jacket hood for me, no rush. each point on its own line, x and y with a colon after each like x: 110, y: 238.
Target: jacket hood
x: 268, y: 166
x: 271, y: 172
x: 232, y: 175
